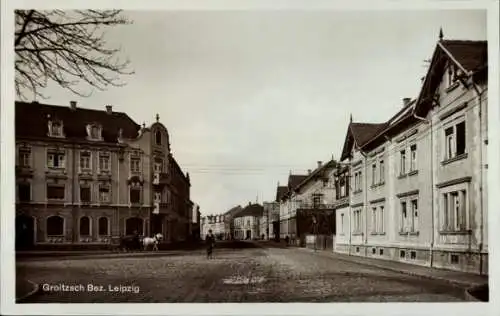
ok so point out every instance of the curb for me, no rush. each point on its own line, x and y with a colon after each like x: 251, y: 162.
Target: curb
x: 460, y: 284
x: 35, y: 290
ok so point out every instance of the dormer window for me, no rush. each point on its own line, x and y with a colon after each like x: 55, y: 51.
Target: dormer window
x: 56, y: 129
x: 158, y: 138
x: 94, y: 132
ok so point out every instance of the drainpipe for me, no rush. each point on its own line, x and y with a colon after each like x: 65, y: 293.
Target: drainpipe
x: 427, y: 121
x: 481, y: 226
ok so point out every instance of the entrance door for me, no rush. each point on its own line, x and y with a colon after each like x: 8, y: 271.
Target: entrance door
x: 134, y: 224
x: 25, y: 232
x: 249, y: 234
x: 156, y: 224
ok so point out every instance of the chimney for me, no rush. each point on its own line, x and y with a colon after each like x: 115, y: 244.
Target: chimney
x: 309, y: 171
x: 320, y: 163
x: 406, y: 101
x: 109, y: 109
x: 72, y: 105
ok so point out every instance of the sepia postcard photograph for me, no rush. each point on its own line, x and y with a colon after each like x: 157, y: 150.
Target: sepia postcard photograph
x: 303, y: 153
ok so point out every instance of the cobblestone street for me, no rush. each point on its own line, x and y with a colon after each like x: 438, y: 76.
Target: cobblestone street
x: 234, y: 275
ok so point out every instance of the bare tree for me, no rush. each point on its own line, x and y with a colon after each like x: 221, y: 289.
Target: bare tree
x: 68, y: 48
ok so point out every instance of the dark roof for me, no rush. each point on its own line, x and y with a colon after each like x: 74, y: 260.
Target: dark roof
x: 359, y: 134
x: 294, y: 180
x: 251, y: 210
x: 330, y: 164
x: 280, y: 192
x: 472, y: 55
x: 233, y: 211
x: 32, y: 121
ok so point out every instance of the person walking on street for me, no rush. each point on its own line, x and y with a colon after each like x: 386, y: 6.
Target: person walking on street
x: 210, y: 240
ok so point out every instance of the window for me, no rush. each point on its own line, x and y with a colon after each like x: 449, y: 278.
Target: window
x: 382, y: 172
x: 104, y: 195
x: 158, y: 138
x: 56, y: 160
x: 157, y: 197
x: 357, y: 249
x: 402, y: 162
x: 24, y: 158
x: 55, y: 192
x: 455, y: 211
x: 381, y: 220
x: 413, y: 255
x: 414, y: 218
x: 56, y: 129
x: 135, y: 195
x: 357, y: 221
x: 454, y: 259
x: 402, y: 225
x: 342, y: 187
x: 24, y: 192
x: 402, y: 254
x: 341, y: 223
x: 135, y: 165
x: 85, y: 160
x: 55, y: 226
x: 381, y: 252
x: 158, y: 166
x: 374, y: 220
x: 84, y: 226
x: 85, y: 193
x: 374, y: 251
x: 104, y: 162
x: 317, y: 200
x: 95, y: 132
x: 455, y: 141
x: 413, y: 157
x: 103, y: 226
x: 374, y: 174
x: 357, y: 181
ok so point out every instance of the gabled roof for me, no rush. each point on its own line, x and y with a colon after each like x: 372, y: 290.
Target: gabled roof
x: 314, y: 174
x: 294, y: 180
x: 359, y: 134
x: 233, y: 211
x: 280, y: 192
x: 251, y: 210
x: 471, y: 57
x: 32, y: 121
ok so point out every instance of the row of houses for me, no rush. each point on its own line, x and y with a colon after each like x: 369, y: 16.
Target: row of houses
x: 241, y: 223
x: 85, y: 176
x: 413, y: 188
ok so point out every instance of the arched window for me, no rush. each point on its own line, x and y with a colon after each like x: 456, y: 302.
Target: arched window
x: 133, y: 224
x: 55, y: 226
x: 84, y: 226
x: 158, y: 138
x: 103, y: 226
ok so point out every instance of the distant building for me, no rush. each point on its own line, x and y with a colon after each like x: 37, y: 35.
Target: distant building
x: 85, y: 176
x: 271, y: 215
x: 247, y: 222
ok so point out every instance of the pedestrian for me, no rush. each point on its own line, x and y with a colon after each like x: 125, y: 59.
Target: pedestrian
x: 210, y: 240
x: 287, y: 240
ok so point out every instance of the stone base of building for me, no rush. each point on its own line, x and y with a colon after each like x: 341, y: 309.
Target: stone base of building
x: 464, y: 261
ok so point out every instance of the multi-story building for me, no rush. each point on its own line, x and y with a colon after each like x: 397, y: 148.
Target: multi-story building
x: 214, y: 223
x: 228, y: 221
x: 84, y: 176
x: 246, y: 223
x: 287, y: 221
x: 272, y: 217
x: 419, y: 180
x: 196, y: 222
x: 311, y: 204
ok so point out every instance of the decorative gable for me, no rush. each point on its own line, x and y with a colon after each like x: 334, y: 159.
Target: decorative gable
x: 94, y: 132
x: 55, y: 127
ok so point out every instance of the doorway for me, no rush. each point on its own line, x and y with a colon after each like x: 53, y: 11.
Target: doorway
x: 25, y: 232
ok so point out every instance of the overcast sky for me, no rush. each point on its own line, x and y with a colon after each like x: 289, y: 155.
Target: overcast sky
x: 249, y: 96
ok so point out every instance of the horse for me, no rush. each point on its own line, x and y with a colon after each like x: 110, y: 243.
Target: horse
x: 148, y: 241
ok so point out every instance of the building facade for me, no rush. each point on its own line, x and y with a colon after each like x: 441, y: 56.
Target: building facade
x: 419, y: 180
x: 85, y: 176
x: 215, y: 223
x: 247, y: 222
x: 272, y: 214
x: 310, y: 205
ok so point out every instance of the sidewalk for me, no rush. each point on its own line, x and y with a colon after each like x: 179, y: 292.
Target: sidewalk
x: 456, y: 278
x: 53, y: 255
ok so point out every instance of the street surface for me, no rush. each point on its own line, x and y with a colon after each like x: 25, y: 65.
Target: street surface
x: 234, y: 275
